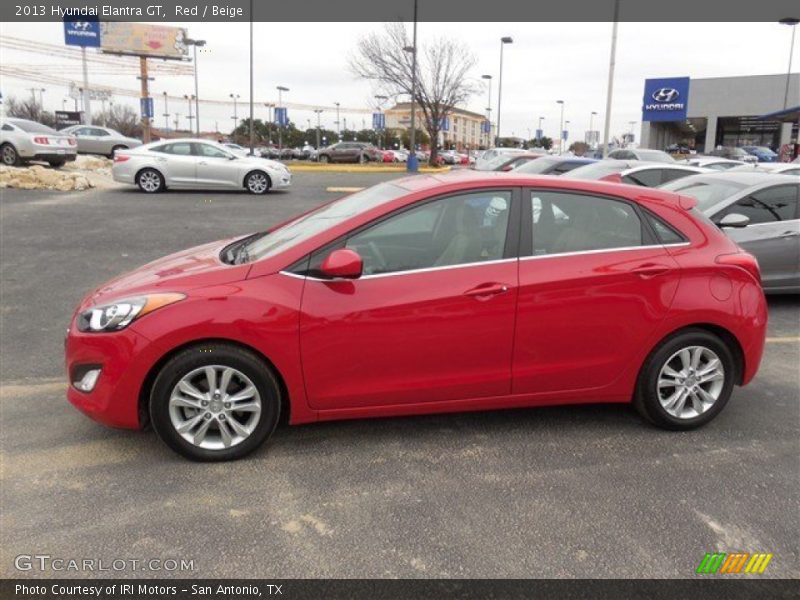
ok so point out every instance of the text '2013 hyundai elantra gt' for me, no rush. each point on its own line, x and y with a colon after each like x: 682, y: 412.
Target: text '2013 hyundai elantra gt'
x: 457, y: 292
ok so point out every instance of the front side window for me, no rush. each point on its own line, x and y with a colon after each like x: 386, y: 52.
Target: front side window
x: 462, y: 229
x: 565, y: 222
x: 777, y: 203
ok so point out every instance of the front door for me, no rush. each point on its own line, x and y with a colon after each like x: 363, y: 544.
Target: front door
x: 592, y: 291
x: 215, y: 167
x: 432, y: 317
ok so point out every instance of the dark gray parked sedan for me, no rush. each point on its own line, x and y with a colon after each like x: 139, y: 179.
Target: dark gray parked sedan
x: 760, y: 212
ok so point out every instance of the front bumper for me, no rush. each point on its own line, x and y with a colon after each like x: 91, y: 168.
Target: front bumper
x: 124, y: 359
x: 281, y: 180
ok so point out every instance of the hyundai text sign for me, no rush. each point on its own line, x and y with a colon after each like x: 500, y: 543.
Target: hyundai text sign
x: 84, y: 32
x: 665, y: 99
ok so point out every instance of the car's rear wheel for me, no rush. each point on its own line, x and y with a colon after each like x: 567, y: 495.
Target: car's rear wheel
x: 324, y: 158
x: 9, y: 155
x: 150, y: 181
x: 214, y: 402
x: 362, y: 159
x: 686, y: 381
x: 257, y: 182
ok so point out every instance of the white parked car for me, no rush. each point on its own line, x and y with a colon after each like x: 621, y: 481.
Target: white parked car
x: 492, y: 153
x: 765, y: 167
x: 22, y: 140
x: 716, y: 163
x: 93, y: 139
x: 197, y: 164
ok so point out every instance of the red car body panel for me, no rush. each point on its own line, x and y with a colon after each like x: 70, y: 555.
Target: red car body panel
x: 512, y: 332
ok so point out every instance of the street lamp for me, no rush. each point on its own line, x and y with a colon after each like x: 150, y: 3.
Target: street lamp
x: 489, y: 104
x: 189, y: 118
x: 319, y: 112
x: 196, y: 44
x: 235, y: 116
x: 561, y: 129
x: 791, y: 22
x: 338, y: 129
x: 166, y: 111
x: 280, y: 89
x: 503, y: 41
x: 411, y: 163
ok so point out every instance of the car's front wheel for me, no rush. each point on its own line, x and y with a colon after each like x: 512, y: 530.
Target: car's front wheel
x: 257, y: 182
x: 324, y: 159
x: 686, y: 381
x: 150, y: 181
x: 214, y: 402
x: 9, y: 155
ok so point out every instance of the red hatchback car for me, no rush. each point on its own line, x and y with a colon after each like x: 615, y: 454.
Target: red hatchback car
x: 465, y: 291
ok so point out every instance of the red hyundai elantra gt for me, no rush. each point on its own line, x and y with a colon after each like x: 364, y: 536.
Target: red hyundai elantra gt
x: 466, y: 291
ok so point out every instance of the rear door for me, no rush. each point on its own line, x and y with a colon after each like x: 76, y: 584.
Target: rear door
x: 594, y: 283
x: 773, y: 235
x: 178, y: 163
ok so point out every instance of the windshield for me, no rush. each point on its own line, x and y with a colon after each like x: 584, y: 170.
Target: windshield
x: 325, y: 217
x: 32, y: 126
x: 596, y: 170
x: 654, y: 155
x: 707, y: 193
x: 539, y: 165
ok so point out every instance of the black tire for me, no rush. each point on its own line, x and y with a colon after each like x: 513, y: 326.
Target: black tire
x: 324, y: 159
x: 57, y: 164
x: 225, y: 355
x: 646, y: 397
x: 150, y: 181
x: 257, y: 183
x: 9, y: 155
x: 114, y: 150
x: 362, y: 159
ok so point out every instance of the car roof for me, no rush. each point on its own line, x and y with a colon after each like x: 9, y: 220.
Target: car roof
x: 746, y: 179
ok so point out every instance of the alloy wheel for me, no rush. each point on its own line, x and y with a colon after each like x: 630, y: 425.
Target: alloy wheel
x: 9, y: 156
x: 257, y: 183
x: 215, y: 407
x: 690, y: 382
x: 150, y: 181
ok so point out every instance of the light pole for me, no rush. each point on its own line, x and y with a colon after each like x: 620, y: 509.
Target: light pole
x: 280, y: 89
x: 189, y: 100
x: 503, y: 41
x: 319, y: 126
x: 338, y: 129
x: 566, y: 128
x: 166, y: 111
x: 196, y: 44
x: 489, y: 107
x: 235, y: 116
x: 561, y: 129
x: 791, y: 22
x: 381, y: 99
x: 611, y: 62
x: 177, y: 119
x: 592, y: 115
x: 631, y: 123
x: 411, y: 163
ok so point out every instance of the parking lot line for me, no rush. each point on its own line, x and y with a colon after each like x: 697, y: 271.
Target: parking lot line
x: 343, y: 189
x: 783, y: 340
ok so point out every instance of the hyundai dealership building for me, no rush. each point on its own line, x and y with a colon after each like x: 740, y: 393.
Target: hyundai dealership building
x: 722, y: 111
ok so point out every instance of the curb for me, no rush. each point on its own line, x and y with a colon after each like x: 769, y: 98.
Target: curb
x: 360, y: 169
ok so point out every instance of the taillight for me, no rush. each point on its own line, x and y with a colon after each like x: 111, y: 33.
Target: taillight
x: 743, y: 260
x: 120, y: 157
x: 613, y: 178
x: 41, y: 140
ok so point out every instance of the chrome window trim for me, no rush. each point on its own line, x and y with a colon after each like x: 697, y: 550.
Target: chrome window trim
x: 603, y: 250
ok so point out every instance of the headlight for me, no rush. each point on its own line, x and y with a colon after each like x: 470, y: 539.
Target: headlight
x: 120, y: 314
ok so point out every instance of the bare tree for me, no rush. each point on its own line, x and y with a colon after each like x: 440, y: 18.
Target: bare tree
x: 122, y: 118
x: 29, y: 109
x: 442, y: 68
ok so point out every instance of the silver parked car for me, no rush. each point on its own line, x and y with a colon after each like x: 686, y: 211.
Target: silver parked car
x: 716, y: 163
x: 770, y: 167
x: 641, y: 154
x: 197, y: 164
x: 656, y: 174
x: 760, y: 212
x: 100, y: 140
x: 22, y: 140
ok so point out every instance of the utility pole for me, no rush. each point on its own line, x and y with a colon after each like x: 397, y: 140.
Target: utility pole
x: 145, y: 93
x: 561, y: 129
x: 196, y: 44
x: 611, y: 63
x: 411, y: 164
x: 252, y: 115
x: 235, y: 116
x: 189, y: 100
x: 319, y: 126
x: 166, y: 112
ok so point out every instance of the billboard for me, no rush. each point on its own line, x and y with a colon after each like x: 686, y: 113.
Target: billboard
x: 82, y: 32
x: 141, y: 39
x: 65, y: 118
x: 665, y: 99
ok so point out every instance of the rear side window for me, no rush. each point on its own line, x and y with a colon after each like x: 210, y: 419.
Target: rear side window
x: 179, y: 148
x: 666, y: 234
x: 573, y: 222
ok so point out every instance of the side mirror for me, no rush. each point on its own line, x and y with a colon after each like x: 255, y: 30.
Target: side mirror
x: 734, y: 220
x: 343, y: 263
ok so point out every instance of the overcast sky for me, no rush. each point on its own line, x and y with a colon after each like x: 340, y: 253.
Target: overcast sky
x: 546, y: 62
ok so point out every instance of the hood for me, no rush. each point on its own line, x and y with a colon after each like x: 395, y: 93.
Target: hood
x: 180, y: 272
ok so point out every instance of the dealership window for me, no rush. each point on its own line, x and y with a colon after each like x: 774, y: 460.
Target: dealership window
x: 777, y: 203
x: 460, y: 229
x: 572, y: 222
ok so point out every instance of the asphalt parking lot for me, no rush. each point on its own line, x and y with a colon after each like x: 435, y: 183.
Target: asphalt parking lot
x: 562, y: 492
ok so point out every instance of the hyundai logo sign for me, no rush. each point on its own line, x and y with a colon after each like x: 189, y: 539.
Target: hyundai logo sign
x: 665, y: 94
x: 665, y: 99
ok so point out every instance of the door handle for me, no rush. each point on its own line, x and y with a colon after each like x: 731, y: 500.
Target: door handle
x: 650, y: 270
x: 789, y: 234
x: 487, y: 290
